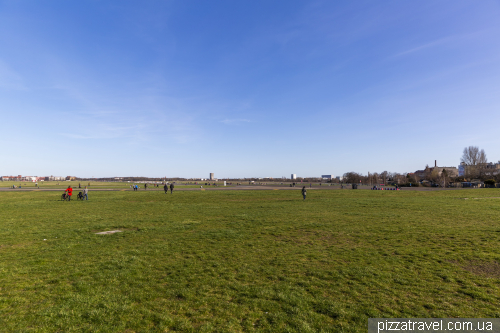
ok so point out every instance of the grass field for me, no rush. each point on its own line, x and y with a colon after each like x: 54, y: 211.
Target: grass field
x: 92, y: 185
x: 64, y: 184
x: 126, y: 185
x: 246, y: 261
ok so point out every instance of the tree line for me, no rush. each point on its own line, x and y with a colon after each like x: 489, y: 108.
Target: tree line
x: 473, y: 161
x: 375, y: 178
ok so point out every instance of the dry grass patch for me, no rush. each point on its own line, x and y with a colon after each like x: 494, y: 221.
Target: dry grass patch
x: 489, y: 269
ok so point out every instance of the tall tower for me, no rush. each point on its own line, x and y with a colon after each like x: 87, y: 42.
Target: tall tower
x: 211, y: 176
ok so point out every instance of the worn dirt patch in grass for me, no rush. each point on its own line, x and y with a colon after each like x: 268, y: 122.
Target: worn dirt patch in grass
x: 482, y: 268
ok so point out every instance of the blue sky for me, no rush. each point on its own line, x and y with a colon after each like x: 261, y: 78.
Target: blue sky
x: 246, y: 88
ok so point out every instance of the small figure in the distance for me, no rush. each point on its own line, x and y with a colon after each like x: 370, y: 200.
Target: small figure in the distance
x: 70, y: 192
x: 304, y: 192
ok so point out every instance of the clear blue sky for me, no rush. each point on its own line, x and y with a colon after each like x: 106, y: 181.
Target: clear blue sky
x: 246, y: 88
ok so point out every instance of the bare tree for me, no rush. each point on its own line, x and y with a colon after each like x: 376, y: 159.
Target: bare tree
x: 474, y: 161
x: 482, y: 157
x: 398, y: 178
x: 470, y: 155
x: 481, y: 163
x: 415, y: 178
x: 434, y: 175
x: 384, y: 177
x: 444, y: 174
x: 427, y: 172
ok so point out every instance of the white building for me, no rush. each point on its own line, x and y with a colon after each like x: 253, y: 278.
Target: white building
x: 294, y: 176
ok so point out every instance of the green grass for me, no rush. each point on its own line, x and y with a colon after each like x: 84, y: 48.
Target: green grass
x: 245, y: 261
x: 93, y: 185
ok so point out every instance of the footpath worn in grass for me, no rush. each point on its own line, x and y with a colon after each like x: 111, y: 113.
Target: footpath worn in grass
x: 245, y: 261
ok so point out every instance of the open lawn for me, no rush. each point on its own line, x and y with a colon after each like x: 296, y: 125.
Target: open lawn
x: 46, y: 185
x: 246, y: 261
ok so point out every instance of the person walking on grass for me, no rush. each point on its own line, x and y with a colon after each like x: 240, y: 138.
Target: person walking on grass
x: 70, y: 192
x: 85, y: 193
x: 165, y: 188
x: 171, y: 188
x: 304, y: 192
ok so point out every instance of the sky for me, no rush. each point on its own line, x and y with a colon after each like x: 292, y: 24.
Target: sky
x: 246, y: 88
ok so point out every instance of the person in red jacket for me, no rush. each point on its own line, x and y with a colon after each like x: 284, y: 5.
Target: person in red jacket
x: 70, y: 192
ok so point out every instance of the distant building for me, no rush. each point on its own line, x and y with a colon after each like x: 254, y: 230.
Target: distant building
x: 420, y: 174
x: 212, y: 176
x: 327, y: 176
x: 488, y: 168
x: 13, y: 178
x: 294, y: 176
x: 492, y: 167
x: 461, y: 169
x: 450, y: 171
x: 52, y: 178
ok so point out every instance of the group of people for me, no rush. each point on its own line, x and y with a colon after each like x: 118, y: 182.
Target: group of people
x: 85, y: 196
x: 165, y: 188
x: 69, y: 193
x: 135, y: 187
